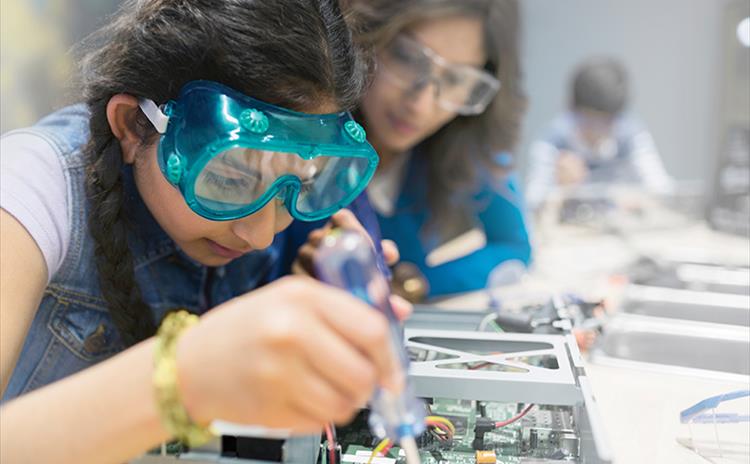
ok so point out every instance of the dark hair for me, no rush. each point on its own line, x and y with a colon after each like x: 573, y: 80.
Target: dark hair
x: 601, y: 84
x: 295, y: 53
x: 467, y: 144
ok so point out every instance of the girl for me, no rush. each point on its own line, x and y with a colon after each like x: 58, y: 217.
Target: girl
x: 443, y: 112
x: 165, y: 191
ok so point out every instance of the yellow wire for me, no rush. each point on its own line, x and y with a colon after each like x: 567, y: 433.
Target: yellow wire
x: 442, y: 420
x: 385, y: 441
x: 378, y: 449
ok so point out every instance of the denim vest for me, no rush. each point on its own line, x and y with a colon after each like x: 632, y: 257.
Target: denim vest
x: 72, y: 329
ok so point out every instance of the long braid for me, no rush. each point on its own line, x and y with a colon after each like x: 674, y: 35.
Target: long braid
x: 108, y: 226
x: 295, y: 54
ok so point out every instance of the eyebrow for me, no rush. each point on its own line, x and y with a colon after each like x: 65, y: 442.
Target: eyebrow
x: 413, y: 38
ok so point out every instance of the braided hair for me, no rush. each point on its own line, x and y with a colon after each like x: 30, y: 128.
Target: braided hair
x: 296, y: 54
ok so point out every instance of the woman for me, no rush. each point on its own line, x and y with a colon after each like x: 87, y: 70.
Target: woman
x: 444, y: 113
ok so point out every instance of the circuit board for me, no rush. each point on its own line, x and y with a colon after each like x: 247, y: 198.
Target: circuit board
x: 544, y: 434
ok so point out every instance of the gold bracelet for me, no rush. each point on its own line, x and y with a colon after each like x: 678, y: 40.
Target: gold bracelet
x: 173, y: 414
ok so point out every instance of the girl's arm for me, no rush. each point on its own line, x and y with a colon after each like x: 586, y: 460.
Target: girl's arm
x: 507, y: 237
x: 112, y: 415
x: 23, y: 276
x: 96, y: 416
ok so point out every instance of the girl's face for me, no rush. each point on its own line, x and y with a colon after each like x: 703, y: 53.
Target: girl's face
x: 398, y: 117
x: 212, y: 243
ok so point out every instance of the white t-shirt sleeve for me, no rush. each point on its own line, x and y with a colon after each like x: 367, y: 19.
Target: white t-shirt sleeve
x: 542, y: 173
x: 648, y: 164
x: 34, y: 191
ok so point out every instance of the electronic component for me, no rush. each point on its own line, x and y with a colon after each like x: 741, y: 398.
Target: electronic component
x: 486, y: 457
x: 536, y: 410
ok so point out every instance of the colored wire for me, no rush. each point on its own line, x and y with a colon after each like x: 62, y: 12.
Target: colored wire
x: 440, y: 436
x: 330, y: 436
x: 486, y: 320
x: 496, y: 326
x: 514, y: 418
x: 441, y: 426
x: 484, y: 364
x: 442, y: 420
x: 381, y: 446
x: 481, y: 366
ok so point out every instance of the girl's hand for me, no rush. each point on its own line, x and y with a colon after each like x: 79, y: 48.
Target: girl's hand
x: 345, y: 219
x: 294, y: 355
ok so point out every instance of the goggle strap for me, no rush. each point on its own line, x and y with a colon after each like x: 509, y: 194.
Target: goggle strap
x: 154, y: 114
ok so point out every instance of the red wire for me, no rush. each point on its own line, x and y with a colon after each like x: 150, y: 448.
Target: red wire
x: 385, y: 450
x: 484, y: 364
x: 331, y: 444
x: 441, y: 426
x: 514, y: 418
x: 480, y: 366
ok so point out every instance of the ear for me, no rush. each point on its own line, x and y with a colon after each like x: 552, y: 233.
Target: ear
x: 122, y: 110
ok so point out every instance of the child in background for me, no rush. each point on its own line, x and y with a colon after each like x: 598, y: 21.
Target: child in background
x: 597, y: 141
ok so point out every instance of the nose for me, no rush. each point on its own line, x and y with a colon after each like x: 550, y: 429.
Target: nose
x: 421, y: 98
x: 259, y: 228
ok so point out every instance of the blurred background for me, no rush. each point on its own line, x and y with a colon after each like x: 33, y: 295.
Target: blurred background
x: 688, y: 72
x: 36, y: 59
x: 672, y: 49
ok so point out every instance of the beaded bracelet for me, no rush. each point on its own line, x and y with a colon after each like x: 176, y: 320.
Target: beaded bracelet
x: 173, y: 414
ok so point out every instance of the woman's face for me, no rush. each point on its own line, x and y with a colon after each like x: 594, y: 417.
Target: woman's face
x: 212, y: 243
x: 398, y: 117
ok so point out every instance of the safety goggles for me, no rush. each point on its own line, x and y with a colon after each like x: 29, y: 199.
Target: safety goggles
x: 230, y: 154
x: 460, y: 88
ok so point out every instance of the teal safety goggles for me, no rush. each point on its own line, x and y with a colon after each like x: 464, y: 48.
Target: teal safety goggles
x: 230, y: 154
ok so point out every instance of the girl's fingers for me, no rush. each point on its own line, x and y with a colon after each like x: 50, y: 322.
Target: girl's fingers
x: 345, y: 219
x: 401, y: 308
x: 306, y: 259
x: 319, y: 400
x: 316, y: 236
x: 343, y: 367
x: 362, y: 327
x: 298, y: 419
x: 390, y: 252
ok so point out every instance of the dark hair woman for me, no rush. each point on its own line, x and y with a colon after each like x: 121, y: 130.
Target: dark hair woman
x: 444, y: 113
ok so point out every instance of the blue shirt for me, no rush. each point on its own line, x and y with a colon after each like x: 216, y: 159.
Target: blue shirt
x: 496, y: 205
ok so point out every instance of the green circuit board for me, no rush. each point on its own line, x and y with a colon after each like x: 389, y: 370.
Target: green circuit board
x: 545, y: 433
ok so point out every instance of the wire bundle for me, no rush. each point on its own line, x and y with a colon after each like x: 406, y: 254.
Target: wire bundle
x: 442, y: 428
x: 383, y: 447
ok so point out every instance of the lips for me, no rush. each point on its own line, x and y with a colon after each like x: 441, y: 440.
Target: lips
x: 223, y: 251
x: 401, y: 126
